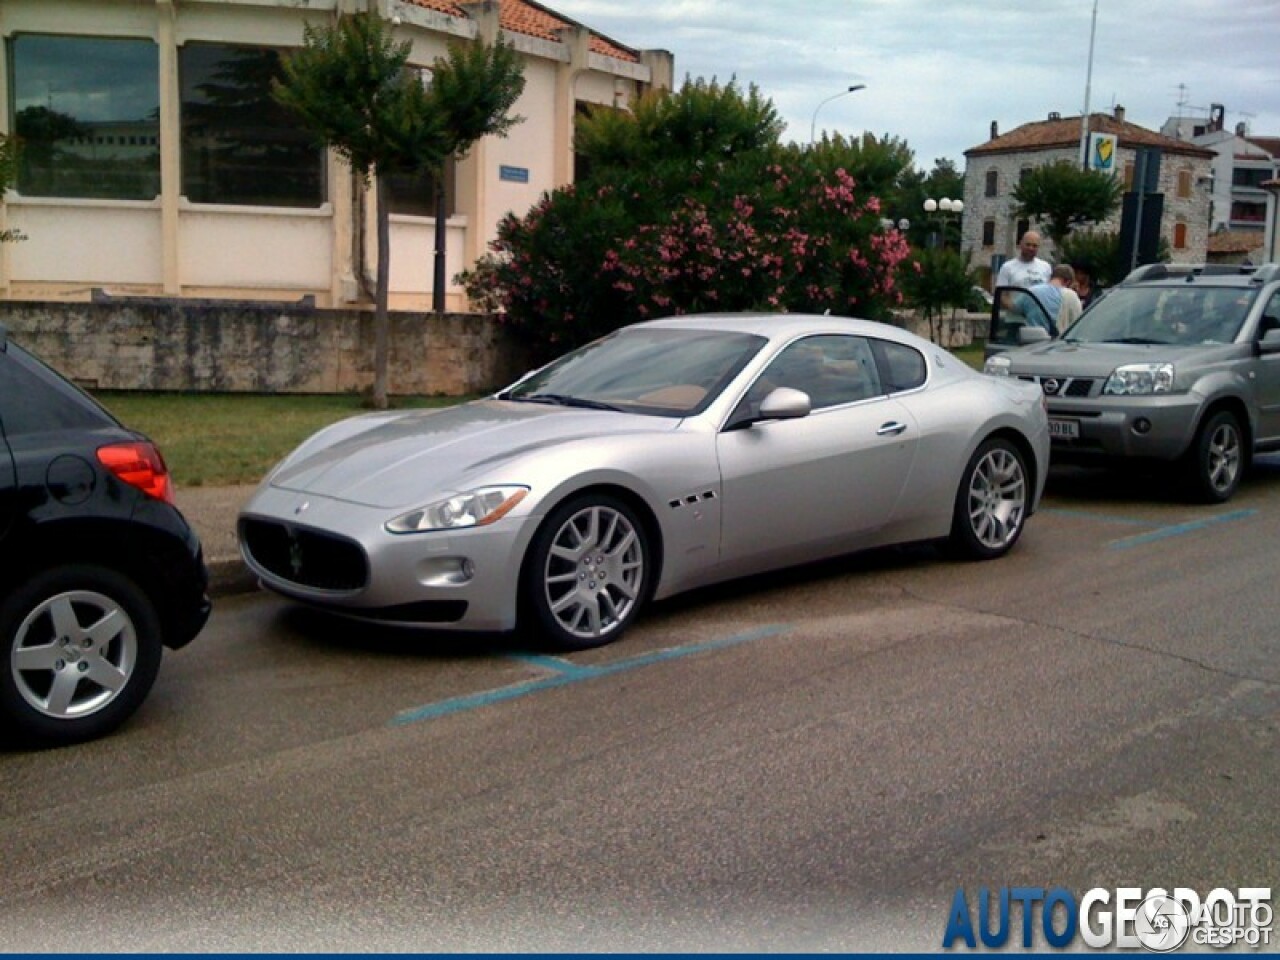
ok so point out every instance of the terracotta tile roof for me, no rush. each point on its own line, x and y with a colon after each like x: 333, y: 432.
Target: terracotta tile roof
x: 1065, y: 132
x: 535, y: 20
x: 1235, y: 241
x: 1269, y: 144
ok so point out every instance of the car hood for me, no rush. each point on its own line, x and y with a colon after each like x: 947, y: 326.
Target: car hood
x: 1064, y: 358
x: 395, y: 461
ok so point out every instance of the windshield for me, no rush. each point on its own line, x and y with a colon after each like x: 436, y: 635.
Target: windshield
x: 668, y: 373
x: 1181, y: 315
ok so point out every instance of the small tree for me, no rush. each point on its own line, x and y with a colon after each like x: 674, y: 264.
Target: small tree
x: 350, y: 85
x: 474, y: 89
x: 936, y: 279
x: 1062, y: 196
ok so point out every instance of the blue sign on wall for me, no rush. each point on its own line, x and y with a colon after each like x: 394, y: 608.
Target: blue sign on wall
x: 513, y: 174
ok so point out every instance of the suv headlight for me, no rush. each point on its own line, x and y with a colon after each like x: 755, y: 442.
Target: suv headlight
x: 997, y: 365
x: 1139, y: 379
x: 475, y: 508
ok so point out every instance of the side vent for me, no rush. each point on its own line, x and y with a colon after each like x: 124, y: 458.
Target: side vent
x: 691, y: 499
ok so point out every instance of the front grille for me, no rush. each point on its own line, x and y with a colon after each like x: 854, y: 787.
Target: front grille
x: 306, y: 557
x: 1063, y: 386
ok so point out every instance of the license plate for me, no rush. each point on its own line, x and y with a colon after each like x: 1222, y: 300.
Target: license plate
x: 1065, y: 429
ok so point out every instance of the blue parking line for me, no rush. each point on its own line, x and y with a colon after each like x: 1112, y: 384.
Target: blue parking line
x: 1178, y: 529
x: 564, y: 672
x: 1100, y: 517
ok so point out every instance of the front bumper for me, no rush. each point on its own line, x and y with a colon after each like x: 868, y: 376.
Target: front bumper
x: 1152, y: 427
x: 462, y: 580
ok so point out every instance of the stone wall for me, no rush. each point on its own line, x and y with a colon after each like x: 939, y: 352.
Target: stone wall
x: 221, y: 346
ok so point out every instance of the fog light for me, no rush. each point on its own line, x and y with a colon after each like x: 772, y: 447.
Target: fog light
x: 445, y: 571
x: 1142, y: 426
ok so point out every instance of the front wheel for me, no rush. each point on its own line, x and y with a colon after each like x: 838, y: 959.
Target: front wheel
x: 82, y: 649
x: 1215, y: 462
x: 991, y: 503
x: 588, y: 572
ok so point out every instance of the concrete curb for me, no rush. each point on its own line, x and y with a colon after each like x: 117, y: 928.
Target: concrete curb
x: 228, y: 576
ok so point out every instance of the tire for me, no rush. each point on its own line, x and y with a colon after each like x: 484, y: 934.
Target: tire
x: 588, y: 572
x: 991, y: 502
x: 81, y: 651
x: 1215, y: 463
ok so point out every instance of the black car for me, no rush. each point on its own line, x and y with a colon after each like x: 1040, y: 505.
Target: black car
x: 98, y: 569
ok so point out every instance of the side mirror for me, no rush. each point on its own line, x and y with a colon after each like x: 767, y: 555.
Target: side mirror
x: 1032, y: 334
x: 1270, y: 342
x: 785, y: 403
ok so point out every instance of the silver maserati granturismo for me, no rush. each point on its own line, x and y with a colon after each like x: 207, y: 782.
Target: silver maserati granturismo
x: 665, y: 456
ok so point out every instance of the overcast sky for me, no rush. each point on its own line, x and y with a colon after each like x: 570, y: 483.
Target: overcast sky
x: 939, y: 73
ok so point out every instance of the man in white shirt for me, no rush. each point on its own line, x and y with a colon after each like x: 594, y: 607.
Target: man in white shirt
x: 1026, y: 269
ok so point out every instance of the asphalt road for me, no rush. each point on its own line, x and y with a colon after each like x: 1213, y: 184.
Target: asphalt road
x: 815, y: 761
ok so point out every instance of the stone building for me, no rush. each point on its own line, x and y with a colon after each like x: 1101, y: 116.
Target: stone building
x: 992, y: 170
x: 156, y: 162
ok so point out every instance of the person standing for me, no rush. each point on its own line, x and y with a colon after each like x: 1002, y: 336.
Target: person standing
x: 1061, y: 304
x: 1026, y: 269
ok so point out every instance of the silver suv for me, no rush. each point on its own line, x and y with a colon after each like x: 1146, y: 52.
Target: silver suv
x: 1177, y: 364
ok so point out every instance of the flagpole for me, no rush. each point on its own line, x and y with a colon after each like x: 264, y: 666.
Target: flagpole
x: 1088, y: 82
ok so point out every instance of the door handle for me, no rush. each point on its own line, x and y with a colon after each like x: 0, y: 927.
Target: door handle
x: 891, y: 429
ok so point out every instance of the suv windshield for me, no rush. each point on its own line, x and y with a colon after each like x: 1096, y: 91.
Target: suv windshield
x: 671, y: 373
x: 1181, y: 315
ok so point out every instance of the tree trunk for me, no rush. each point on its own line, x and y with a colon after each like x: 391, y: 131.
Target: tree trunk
x: 438, y: 282
x: 381, y: 320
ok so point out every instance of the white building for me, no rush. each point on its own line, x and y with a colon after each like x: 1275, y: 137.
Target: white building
x: 156, y: 163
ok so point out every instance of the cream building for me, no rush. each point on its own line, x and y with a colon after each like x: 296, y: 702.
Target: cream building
x: 155, y: 162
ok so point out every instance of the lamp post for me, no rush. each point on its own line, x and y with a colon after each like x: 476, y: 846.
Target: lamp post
x: 813, y: 126
x: 938, y: 211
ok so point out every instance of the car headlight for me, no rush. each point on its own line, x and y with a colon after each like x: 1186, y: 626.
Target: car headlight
x: 1139, y: 379
x: 997, y: 365
x: 474, y: 508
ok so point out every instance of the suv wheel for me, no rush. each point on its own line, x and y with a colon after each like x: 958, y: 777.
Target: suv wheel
x: 82, y: 648
x: 1215, y: 462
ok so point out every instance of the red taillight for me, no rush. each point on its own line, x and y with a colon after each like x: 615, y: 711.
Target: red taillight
x: 139, y: 465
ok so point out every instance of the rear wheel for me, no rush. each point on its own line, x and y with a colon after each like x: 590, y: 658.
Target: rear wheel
x: 82, y: 649
x: 1215, y: 462
x: 588, y: 572
x: 991, y: 504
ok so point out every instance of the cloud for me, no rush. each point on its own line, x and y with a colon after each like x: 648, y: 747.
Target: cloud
x: 937, y: 75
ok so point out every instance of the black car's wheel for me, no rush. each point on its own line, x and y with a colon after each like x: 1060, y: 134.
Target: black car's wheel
x: 1215, y: 462
x: 991, y: 503
x: 588, y: 572
x: 82, y: 648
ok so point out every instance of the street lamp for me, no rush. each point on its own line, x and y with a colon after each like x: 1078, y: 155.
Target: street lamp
x: 938, y: 211
x: 813, y: 127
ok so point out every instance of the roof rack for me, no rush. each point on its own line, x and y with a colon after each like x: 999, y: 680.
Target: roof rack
x: 1164, y: 271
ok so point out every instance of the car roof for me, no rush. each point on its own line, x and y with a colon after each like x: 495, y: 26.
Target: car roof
x: 1207, y: 274
x: 774, y: 325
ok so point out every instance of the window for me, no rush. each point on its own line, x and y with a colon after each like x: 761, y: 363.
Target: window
x: 1180, y: 235
x: 76, y: 102
x: 1128, y: 175
x: 1249, y: 177
x: 901, y: 367
x: 1184, y: 183
x: 415, y: 193
x: 1021, y: 227
x: 1023, y: 174
x: 832, y: 370
x: 993, y: 182
x: 238, y: 145
x: 1249, y: 212
x: 988, y: 233
x: 35, y: 400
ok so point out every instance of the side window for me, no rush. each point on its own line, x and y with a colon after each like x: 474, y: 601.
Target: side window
x: 32, y: 402
x: 832, y: 369
x: 901, y: 367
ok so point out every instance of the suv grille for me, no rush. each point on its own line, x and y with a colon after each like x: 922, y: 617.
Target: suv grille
x: 304, y: 556
x: 1063, y: 386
